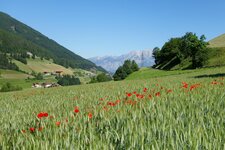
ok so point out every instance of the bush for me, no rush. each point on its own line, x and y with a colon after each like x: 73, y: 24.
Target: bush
x: 68, y: 80
x: 101, y: 78
x: 39, y: 76
x: 123, y: 71
x: 7, y: 87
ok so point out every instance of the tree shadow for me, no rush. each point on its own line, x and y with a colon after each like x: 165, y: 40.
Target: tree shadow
x: 211, y: 75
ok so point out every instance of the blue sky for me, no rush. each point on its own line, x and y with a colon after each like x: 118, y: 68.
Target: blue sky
x: 113, y: 27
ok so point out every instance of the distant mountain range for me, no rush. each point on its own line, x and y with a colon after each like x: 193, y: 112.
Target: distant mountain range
x: 17, y: 39
x: 111, y: 63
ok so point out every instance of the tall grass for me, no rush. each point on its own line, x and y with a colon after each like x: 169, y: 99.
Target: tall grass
x: 159, y: 113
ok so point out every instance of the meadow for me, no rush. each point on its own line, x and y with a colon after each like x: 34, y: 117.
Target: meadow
x: 182, y: 110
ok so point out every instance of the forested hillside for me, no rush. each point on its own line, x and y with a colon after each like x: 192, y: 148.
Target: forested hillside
x: 16, y: 39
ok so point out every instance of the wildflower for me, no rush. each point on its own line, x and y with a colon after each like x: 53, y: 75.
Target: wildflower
x: 58, y: 123
x: 194, y: 86
x: 40, y: 128
x: 32, y: 130
x: 76, y: 109
x: 169, y: 91
x: 117, y: 101
x: 157, y: 94
x: 42, y: 114
x: 185, y: 85
x: 129, y: 94
x: 214, y: 82
x: 89, y: 115
x: 111, y: 104
x: 145, y: 89
x: 139, y: 96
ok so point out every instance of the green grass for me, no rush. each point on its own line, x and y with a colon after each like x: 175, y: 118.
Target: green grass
x: 39, y: 65
x: 217, y: 57
x: 25, y: 84
x: 218, y: 41
x: 11, y: 74
x: 163, y: 116
x: 20, y: 79
x: 147, y: 73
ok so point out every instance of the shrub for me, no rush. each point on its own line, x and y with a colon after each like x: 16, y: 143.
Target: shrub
x: 123, y: 71
x: 67, y: 80
x: 7, y: 87
x: 101, y: 78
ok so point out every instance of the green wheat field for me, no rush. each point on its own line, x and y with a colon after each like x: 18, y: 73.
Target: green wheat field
x: 173, y: 111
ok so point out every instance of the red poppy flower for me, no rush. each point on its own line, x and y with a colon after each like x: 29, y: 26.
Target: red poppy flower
x: 194, y: 86
x: 45, y: 114
x: 185, y: 85
x: 139, y: 96
x: 214, y: 82
x: 118, y: 101
x: 32, y: 130
x: 89, y: 115
x: 40, y: 129
x: 58, y: 123
x: 157, y: 94
x: 76, y: 109
x: 42, y: 114
x: 145, y: 89
x: 129, y: 94
x: 169, y: 91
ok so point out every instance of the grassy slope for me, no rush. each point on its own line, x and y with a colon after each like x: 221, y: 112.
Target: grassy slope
x: 218, y: 41
x: 147, y: 73
x: 39, y: 65
x: 18, y: 78
x: 11, y: 74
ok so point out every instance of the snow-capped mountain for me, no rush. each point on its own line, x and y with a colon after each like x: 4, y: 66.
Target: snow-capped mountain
x: 111, y: 63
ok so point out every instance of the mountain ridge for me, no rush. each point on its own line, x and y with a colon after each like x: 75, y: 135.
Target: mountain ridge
x: 110, y: 63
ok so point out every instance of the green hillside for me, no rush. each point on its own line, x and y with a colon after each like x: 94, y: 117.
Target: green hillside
x: 18, y: 38
x: 218, y: 41
x: 190, y: 52
x: 37, y: 65
x: 44, y: 65
x: 148, y: 73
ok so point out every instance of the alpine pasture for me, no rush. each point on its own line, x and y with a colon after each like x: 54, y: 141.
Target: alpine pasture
x: 174, y: 111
